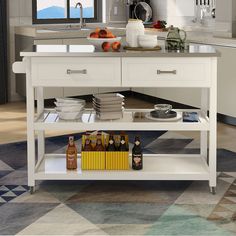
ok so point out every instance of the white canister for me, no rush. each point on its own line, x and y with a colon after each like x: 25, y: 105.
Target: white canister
x: 134, y: 28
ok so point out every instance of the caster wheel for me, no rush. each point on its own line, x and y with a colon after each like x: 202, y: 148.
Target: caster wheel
x: 31, y: 190
x: 213, y: 190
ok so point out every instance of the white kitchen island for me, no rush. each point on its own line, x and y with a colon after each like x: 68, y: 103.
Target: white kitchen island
x: 81, y: 66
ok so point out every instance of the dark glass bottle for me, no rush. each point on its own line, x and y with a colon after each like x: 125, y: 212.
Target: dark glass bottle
x: 137, y: 155
x: 111, y: 144
x: 99, y: 147
x: 123, y: 145
x: 88, y: 145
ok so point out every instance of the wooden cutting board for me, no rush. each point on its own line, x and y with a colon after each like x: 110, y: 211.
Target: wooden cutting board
x: 157, y: 48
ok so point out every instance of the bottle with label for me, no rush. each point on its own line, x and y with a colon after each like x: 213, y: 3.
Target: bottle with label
x: 99, y: 147
x: 88, y: 145
x: 137, y: 155
x: 71, y: 155
x: 111, y: 144
x: 123, y: 145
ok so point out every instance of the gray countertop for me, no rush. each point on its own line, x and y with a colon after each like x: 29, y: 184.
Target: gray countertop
x: 61, y: 32
x: 90, y: 51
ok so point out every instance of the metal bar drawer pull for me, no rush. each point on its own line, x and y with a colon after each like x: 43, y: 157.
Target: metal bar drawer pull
x: 159, y: 72
x: 83, y: 72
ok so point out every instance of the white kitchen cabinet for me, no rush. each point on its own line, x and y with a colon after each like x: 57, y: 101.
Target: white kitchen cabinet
x: 80, y: 72
x: 162, y: 71
x: 74, y: 92
x: 109, y: 90
x: 76, y: 41
x: 48, y: 41
x: 226, y: 81
x: 138, y: 90
x: 51, y: 93
x: 150, y: 91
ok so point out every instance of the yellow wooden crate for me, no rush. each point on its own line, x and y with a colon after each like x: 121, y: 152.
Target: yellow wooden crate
x: 93, y: 160
x: 117, y: 160
x: 104, y: 160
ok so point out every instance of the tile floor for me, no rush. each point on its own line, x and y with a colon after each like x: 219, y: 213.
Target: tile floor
x: 148, y: 208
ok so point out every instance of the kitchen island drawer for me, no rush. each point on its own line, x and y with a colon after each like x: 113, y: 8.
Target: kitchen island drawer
x: 74, y: 71
x: 166, y: 72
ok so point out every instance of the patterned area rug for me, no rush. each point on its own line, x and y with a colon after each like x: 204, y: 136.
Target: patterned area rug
x: 117, y: 208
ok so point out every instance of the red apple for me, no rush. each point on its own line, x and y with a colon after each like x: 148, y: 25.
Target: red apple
x: 116, y: 46
x: 106, y: 46
x: 102, y: 34
x: 94, y: 35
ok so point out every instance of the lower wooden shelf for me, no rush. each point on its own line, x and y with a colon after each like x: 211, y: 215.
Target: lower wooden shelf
x: 156, y: 167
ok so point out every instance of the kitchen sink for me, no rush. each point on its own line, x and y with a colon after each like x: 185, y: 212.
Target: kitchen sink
x: 67, y: 29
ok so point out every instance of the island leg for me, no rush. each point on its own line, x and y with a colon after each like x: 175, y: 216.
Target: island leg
x: 30, y: 127
x: 40, y: 133
x: 204, y: 134
x: 213, y: 128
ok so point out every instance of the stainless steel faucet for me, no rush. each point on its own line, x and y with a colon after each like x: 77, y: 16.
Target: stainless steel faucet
x: 82, y: 24
x: 202, y: 15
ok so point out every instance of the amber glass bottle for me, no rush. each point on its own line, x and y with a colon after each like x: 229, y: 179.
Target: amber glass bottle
x: 71, y: 155
x: 99, y: 147
x: 88, y: 145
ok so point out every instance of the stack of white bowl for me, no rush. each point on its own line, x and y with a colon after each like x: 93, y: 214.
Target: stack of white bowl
x: 69, y: 108
x: 147, y: 41
x: 108, y: 106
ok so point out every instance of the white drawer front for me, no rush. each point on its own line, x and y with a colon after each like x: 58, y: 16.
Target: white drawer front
x: 81, y: 72
x: 166, y: 72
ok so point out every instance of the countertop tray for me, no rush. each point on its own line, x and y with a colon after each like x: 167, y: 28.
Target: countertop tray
x: 157, y: 48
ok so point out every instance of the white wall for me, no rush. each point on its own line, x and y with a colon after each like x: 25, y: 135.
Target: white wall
x: 116, y: 11
x: 175, y: 12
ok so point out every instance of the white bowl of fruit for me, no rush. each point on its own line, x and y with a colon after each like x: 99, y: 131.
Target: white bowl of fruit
x: 104, y: 39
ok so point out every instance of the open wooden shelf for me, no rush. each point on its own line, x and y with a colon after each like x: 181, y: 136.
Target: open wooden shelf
x: 155, y: 167
x: 49, y: 120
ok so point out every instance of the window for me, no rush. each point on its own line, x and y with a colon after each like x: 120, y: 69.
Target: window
x: 64, y: 11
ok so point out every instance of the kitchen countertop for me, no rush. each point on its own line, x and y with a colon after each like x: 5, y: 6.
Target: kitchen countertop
x: 202, y: 37
x: 63, y: 32
x: 89, y: 51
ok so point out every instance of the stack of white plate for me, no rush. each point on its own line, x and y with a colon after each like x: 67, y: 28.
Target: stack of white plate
x: 69, y: 108
x: 109, y: 106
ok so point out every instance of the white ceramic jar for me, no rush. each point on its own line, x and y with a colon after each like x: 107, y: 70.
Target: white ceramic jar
x: 147, y: 41
x: 134, y: 28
